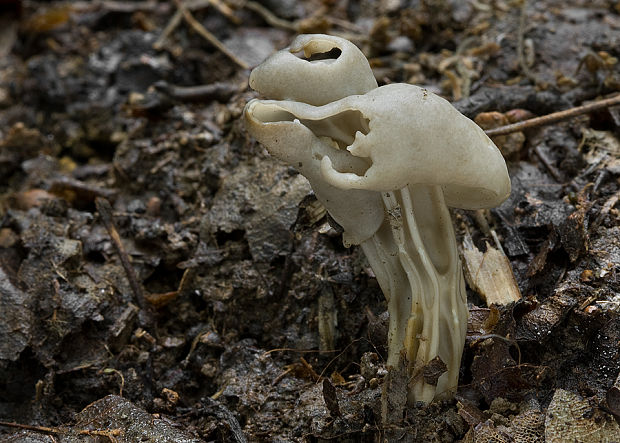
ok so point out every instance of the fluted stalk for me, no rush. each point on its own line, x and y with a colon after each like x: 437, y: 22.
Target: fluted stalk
x: 414, y: 257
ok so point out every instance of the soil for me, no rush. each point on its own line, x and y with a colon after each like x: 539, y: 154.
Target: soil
x: 162, y: 278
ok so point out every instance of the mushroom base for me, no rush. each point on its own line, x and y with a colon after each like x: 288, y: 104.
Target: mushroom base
x: 415, y: 259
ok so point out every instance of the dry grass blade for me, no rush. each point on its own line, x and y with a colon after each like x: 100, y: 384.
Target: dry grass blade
x: 109, y: 434
x: 204, y: 33
x: 269, y: 16
x: 105, y: 212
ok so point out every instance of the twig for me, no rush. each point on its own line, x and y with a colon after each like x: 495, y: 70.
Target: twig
x: 545, y: 160
x: 607, y: 207
x: 269, y: 16
x: 193, y: 5
x: 170, y: 27
x: 281, y: 376
x: 111, y: 434
x: 345, y: 24
x: 202, y: 93
x: 301, y: 351
x: 118, y: 6
x: 105, y: 212
x: 175, y: 20
x: 116, y: 372
x: 310, y: 370
x: 277, y: 22
x: 554, y: 117
x: 202, y: 31
x: 84, y: 191
x: 205, y: 331
x: 521, y: 43
x: 225, y: 10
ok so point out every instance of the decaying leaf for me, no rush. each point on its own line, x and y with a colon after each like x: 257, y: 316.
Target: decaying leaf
x: 470, y: 413
x: 613, y: 398
x: 487, y: 432
x: 601, y: 149
x: 496, y: 373
x: 539, y: 323
x: 331, y: 398
x: 574, y: 231
x: 395, y: 392
x: 571, y: 418
x: 526, y: 427
x: 538, y: 263
x: 433, y: 370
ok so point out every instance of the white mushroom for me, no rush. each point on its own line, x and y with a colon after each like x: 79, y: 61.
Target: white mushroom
x: 387, y: 164
x: 343, y: 71
x: 331, y: 68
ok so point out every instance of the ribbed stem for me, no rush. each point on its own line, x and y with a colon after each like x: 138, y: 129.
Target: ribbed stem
x: 415, y: 259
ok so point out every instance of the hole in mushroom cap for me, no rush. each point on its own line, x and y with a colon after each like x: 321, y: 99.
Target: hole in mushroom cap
x: 330, y: 55
x: 319, y: 51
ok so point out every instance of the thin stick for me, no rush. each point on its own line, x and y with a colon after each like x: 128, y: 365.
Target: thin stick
x: 545, y: 160
x: 521, y: 43
x: 277, y: 22
x: 225, y: 10
x: 192, y: 6
x: 202, y: 31
x: 345, y: 24
x: 270, y: 17
x: 117, y: 6
x: 554, y: 117
x: 59, y: 431
x: 105, y: 212
x: 170, y: 27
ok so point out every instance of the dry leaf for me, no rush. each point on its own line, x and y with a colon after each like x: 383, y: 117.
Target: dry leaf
x: 571, y: 418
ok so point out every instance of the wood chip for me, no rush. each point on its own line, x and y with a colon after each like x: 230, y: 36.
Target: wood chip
x: 490, y: 274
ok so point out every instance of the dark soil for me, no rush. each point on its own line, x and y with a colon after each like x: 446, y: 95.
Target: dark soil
x: 216, y: 330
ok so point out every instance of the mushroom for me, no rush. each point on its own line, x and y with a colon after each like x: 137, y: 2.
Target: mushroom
x: 317, y: 79
x: 331, y: 68
x: 387, y: 163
